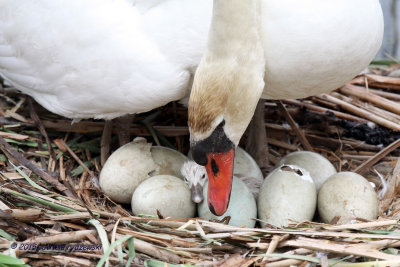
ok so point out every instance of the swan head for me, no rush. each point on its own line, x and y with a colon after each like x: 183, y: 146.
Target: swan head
x: 221, y: 106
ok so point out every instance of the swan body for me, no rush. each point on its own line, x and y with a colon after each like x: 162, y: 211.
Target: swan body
x: 315, y: 46
x: 106, y: 58
x: 102, y: 58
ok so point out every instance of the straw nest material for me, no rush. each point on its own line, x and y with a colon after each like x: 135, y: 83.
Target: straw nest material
x: 52, y: 212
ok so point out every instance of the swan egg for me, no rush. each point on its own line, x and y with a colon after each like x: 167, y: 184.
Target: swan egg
x: 125, y: 169
x: 245, y: 165
x: 288, y: 195
x: 347, y: 195
x: 168, y: 194
x: 318, y: 166
x: 168, y: 161
x: 242, y: 206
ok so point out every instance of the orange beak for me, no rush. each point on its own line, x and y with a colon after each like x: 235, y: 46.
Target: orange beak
x: 219, y: 169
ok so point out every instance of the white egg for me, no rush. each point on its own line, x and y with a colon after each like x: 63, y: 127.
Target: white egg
x: 168, y: 161
x: 244, y: 165
x: 242, y: 206
x: 125, y: 169
x: 319, y: 167
x: 288, y: 195
x: 168, y: 194
x: 347, y: 195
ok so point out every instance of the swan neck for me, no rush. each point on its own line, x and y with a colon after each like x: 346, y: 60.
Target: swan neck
x: 234, y: 22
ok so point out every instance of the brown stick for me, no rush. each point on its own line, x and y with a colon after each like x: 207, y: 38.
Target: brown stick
x: 94, y: 126
x: 282, y: 144
x: 365, y: 95
x: 64, y: 147
x: 382, y: 113
x: 105, y: 142
x: 362, y: 113
x: 359, y: 250
x: 387, y: 95
x: 337, y: 143
x: 378, y: 81
x: 42, y: 130
x: 295, y: 127
x: 324, y: 110
x: 372, y: 161
x: 9, y: 150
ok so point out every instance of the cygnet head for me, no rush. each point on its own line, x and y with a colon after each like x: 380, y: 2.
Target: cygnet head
x: 195, y: 176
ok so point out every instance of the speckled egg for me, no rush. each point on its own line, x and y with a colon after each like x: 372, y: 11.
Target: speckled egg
x: 319, y: 167
x: 125, y: 169
x: 349, y: 196
x: 165, y: 193
x: 168, y: 161
x: 288, y: 195
x: 242, y: 206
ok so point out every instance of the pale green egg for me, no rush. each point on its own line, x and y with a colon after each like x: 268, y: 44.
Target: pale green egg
x: 125, y: 169
x: 287, y: 196
x: 318, y: 166
x: 347, y: 195
x: 168, y: 161
x: 242, y: 206
x: 168, y: 194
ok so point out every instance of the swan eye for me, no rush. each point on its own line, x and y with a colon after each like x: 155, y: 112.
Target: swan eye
x: 185, y: 179
x: 203, y: 176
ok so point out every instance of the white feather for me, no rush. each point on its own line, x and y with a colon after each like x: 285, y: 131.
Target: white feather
x: 106, y: 58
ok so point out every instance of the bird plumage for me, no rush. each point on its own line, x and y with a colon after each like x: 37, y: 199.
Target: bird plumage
x: 106, y: 58
x: 101, y: 58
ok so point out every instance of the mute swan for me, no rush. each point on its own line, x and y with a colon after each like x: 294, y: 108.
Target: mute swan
x: 107, y: 58
x: 102, y: 58
x: 335, y: 38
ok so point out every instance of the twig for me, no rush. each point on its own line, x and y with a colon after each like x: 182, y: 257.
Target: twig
x: 13, y: 136
x: 324, y: 110
x: 378, y: 81
x: 284, y: 263
x: 64, y: 147
x: 363, y: 113
x: 42, y: 130
x: 360, y: 250
x: 152, y: 250
x: 295, y: 127
x: 369, y: 163
x: 94, y: 126
x: 105, y: 142
x: 365, y: 95
x: 6, y: 148
x: 393, y: 187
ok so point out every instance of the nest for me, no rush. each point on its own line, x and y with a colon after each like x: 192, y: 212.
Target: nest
x: 52, y: 212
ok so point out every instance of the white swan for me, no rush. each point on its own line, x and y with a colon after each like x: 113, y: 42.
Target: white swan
x: 309, y: 46
x: 106, y: 58
x: 102, y: 58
